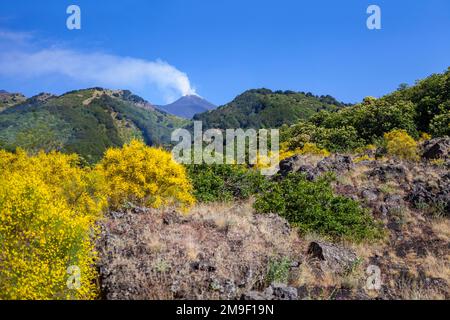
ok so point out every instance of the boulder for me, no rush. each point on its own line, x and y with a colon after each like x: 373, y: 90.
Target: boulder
x: 392, y: 204
x: 290, y: 165
x: 369, y: 195
x: 283, y: 292
x: 338, y: 164
x: 276, y: 291
x: 437, y: 196
x: 388, y: 172
x: 254, y: 296
x: 173, y: 217
x: 310, y: 172
x: 333, y: 257
x: 438, y: 148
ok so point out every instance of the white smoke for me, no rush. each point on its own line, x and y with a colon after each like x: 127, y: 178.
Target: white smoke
x: 97, y: 69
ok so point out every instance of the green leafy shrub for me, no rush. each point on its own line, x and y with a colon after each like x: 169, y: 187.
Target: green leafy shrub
x: 313, y: 207
x: 224, y: 182
x: 278, y: 271
x: 440, y: 125
x: 333, y: 139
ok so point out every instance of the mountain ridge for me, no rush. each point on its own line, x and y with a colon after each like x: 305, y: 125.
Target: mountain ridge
x: 8, y: 99
x: 85, y: 121
x: 258, y: 108
x: 188, y: 106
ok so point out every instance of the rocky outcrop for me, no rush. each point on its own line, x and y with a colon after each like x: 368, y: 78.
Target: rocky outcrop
x: 276, y: 291
x: 332, y: 257
x: 389, y: 172
x: 433, y: 197
x: 438, y: 148
x: 338, y: 164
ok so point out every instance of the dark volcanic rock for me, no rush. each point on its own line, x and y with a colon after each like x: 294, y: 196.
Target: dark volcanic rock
x: 438, y: 148
x: 369, y: 195
x: 290, y: 165
x: 337, y: 163
x: 435, y: 197
x: 333, y: 257
x: 276, y: 291
x: 387, y: 172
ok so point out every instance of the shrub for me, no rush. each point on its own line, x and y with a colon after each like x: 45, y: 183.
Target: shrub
x: 224, y: 182
x: 145, y: 176
x: 312, y: 207
x: 425, y: 137
x: 440, y: 125
x: 334, y: 139
x: 363, y: 158
x: 48, y: 210
x: 285, y: 153
x: 313, y: 149
x: 400, y: 144
x: 278, y: 271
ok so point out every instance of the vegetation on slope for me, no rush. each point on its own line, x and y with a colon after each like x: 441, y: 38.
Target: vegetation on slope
x: 312, y: 206
x: 10, y: 99
x: 423, y: 108
x: 263, y: 108
x: 86, y: 122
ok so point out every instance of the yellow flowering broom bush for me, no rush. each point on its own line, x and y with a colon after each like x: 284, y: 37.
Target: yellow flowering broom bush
x: 48, y: 209
x: 400, y: 144
x: 285, y: 152
x: 143, y: 175
x: 49, y: 206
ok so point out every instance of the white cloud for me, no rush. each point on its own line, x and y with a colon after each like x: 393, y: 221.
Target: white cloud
x: 17, y: 37
x: 93, y: 69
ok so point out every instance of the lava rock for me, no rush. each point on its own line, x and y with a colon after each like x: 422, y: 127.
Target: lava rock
x: 387, y: 172
x: 276, y: 291
x: 338, y: 164
x: 336, y: 258
x: 438, y: 148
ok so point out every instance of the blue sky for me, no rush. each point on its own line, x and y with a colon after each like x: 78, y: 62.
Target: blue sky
x: 162, y: 49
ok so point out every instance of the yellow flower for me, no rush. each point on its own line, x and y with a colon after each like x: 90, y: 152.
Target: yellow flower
x: 400, y: 144
x: 144, y: 175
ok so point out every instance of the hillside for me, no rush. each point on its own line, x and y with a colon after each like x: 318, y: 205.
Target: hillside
x: 431, y: 97
x: 86, y: 122
x: 188, y: 106
x: 259, y: 108
x: 10, y: 99
x: 421, y: 108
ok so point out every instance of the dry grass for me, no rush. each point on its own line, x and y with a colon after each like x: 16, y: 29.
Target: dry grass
x: 441, y: 227
x: 217, y: 252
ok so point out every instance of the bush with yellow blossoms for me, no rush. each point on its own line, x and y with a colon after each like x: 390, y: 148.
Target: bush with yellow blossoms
x: 50, y: 206
x: 146, y: 176
x: 48, y: 209
x: 285, y: 152
x: 401, y: 145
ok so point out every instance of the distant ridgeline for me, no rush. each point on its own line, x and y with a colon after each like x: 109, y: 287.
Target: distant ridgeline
x: 9, y: 99
x: 86, y: 122
x: 263, y: 108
